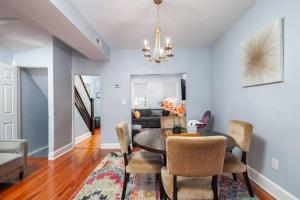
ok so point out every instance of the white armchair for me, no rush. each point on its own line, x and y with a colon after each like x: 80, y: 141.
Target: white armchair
x: 13, y: 158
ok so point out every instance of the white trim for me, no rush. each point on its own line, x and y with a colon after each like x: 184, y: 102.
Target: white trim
x: 7, y: 64
x: 59, y: 152
x: 82, y: 137
x: 269, y: 186
x: 110, y: 146
x: 44, y: 148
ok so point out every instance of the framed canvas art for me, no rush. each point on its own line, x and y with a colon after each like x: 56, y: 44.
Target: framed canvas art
x: 262, y: 56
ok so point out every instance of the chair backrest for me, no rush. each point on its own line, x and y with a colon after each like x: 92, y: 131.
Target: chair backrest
x: 242, y: 134
x: 206, y: 117
x: 195, y: 156
x: 168, y: 121
x: 204, y: 120
x: 123, y: 136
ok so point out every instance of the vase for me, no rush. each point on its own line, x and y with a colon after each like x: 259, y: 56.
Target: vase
x: 176, y: 130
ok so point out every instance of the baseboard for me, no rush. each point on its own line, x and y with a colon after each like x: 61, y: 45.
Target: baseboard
x: 37, y: 151
x: 59, y: 152
x: 110, y: 146
x: 83, y: 137
x: 269, y: 186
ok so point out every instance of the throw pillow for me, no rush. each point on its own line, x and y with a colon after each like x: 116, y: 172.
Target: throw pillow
x: 156, y: 113
x: 137, y: 114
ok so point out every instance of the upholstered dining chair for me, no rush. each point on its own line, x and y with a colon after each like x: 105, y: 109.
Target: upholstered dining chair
x: 205, y: 121
x: 136, y: 162
x: 193, y: 166
x: 242, y: 134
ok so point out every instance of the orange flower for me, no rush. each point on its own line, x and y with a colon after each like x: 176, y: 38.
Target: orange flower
x: 173, y: 108
x: 181, y: 110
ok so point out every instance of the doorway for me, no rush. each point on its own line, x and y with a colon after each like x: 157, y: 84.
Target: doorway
x: 87, y: 111
x: 33, y: 101
x: 148, y: 91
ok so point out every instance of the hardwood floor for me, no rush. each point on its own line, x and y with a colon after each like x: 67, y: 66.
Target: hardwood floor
x: 91, y: 143
x: 258, y: 191
x: 59, y: 179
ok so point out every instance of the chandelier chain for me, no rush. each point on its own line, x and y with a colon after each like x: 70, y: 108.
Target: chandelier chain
x: 157, y: 17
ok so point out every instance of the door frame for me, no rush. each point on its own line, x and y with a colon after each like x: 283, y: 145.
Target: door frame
x: 19, y: 68
x: 73, y: 101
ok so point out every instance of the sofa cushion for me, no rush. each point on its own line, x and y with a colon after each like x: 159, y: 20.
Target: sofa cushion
x: 156, y: 113
x: 136, y: 114
x: 154, y: 122
x: 10, y: 162
x: 165, y: 113
x: 141, y: 119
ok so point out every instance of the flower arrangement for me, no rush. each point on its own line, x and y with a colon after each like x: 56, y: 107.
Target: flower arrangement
x: 175, y: 110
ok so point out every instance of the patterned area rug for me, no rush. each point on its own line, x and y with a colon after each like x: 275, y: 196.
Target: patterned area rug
x: 106, y: 182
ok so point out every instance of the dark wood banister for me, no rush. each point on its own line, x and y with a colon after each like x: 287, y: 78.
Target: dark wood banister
x: 80, y: 77
x: 83, y: 111
x: 91, y: 99
x: 88, y: 118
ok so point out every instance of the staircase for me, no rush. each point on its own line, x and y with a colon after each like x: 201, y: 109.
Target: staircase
x: 84, y: 103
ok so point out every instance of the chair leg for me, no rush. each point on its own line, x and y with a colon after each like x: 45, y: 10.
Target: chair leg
x: 161, y: 190
x: 214, y: 186
x: 246, y: 178
x: 21, y: 175
x: 234, y: 176
x: 157, y: 177
x: 126, y: 178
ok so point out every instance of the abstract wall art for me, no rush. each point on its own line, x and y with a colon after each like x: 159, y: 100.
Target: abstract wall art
x: 262, y: 56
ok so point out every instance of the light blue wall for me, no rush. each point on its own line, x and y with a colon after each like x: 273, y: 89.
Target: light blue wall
x: 80, y: 127
x: 6, y: 57
x: 62, y: 87
x: 34, y: 112
x: 194, y: 62
x: 272, y: 109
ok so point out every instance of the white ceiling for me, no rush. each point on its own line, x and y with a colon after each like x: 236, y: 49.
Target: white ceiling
x: 189, y: 23
x: 19, y: 34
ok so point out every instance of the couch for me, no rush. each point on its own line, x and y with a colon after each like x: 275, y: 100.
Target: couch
x: 147, y: 120
x: 13, y: 158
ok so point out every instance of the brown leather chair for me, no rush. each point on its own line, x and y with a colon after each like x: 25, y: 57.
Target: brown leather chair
x: 136, y: 162
x: 193, y: 166
x: 242, y: 134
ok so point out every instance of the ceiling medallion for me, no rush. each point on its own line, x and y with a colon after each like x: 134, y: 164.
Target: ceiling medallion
x: 160, y: 54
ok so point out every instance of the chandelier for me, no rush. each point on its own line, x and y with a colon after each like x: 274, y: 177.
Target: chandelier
x: 159, y: 54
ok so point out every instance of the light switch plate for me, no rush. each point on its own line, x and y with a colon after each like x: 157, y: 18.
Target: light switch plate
x: 275, y: 163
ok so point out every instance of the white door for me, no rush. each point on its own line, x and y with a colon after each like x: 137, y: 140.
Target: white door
x: 8, y: 103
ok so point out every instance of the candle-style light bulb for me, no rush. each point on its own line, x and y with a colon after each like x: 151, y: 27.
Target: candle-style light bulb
x: 145, y: 43
x: 168, y: 42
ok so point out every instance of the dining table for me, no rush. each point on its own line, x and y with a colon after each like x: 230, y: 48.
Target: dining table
x: 154, y: 139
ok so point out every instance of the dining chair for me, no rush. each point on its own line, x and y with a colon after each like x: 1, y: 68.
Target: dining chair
x: 136, y: 162
x: 205, y: 121
x: 193, y: 166
x: 242, y: 134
